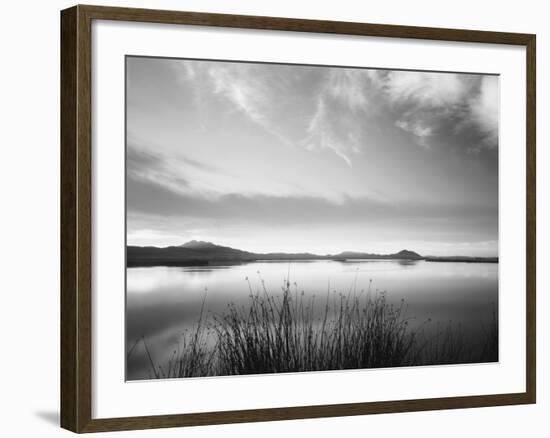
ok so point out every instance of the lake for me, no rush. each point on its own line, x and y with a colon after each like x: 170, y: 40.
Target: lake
x: 161, y: 302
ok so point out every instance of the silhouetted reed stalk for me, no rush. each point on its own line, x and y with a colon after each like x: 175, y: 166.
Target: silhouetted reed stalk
x: 281, y: 333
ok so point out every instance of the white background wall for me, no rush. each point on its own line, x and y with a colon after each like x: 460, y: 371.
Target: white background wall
x: 29, y: 218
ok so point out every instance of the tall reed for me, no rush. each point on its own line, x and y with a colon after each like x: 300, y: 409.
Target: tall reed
x: 289, y: 332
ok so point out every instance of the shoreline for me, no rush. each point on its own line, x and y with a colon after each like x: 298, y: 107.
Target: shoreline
x: 191, y: 263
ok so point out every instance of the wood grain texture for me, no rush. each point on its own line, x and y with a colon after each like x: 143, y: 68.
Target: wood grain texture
x: 76, y: 219
x: 531, y: 213
x: 301, y: 25
x: 69, y: 328
x: 303, y: 412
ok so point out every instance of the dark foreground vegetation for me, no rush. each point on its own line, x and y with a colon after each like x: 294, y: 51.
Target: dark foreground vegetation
x: 288, y: 332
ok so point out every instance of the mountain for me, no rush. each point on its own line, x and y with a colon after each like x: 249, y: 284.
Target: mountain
x: 190, y: 253
x: 408, y: 255
x: 401, y: 255
x: 196, y: 252
x: 199, y: 244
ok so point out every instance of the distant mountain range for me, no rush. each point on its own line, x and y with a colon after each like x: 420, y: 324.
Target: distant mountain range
x: 197, y: 252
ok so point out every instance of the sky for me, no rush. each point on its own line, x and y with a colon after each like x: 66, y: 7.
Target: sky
x: 294, y: 158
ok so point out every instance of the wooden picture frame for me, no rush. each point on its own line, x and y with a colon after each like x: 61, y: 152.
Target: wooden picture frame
x: 76, y: 218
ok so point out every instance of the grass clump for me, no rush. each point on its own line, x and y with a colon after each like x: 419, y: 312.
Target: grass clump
x: 281, y: 333
x: 289, y: 332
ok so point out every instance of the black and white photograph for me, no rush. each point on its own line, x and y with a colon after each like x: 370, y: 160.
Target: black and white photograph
x: 275, y: 219
x: 308, y: 218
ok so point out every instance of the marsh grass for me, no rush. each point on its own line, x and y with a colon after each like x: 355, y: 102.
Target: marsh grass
x: 289, y: 332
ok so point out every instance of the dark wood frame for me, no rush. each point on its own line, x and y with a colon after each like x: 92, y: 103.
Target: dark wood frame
x: 76, y: 236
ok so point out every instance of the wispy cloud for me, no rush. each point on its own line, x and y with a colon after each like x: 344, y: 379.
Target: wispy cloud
x: 417, y: 128
x: 250, y: 89
x: 146, y: 165
x: 424, y: 103
x: 173, y: 172
x: 323, y: 132
x: 345, y: 100
x: 424, y: 88
x: 239, y: 86
x: 149, y: 197
x: 484, y: 108
x: 349, y: 87
x: 332, y: 109
x: 328, y: 116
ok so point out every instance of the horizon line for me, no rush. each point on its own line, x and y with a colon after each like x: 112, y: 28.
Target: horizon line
x: 310, y: 253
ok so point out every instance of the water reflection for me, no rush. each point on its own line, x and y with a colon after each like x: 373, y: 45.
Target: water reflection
x: 163, y: 301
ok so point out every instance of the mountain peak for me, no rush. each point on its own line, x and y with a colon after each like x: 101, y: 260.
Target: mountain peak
x: 197, y: 244
x: 405, y: 253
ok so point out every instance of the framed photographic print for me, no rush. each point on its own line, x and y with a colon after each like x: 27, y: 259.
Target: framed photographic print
x: 271, y: 218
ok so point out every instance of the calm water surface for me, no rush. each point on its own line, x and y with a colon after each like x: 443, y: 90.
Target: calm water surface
x: 164, y: 301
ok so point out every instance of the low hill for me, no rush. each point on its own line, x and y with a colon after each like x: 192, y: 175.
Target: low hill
x: 191, y: 253
x: 401, y: 255
x: 202, y: 253
x: 462, y: 259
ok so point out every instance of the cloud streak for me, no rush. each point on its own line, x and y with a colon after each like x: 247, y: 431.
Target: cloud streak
x: 251, y: 89
x: 149, y: 197
x: 337, y: 124
x: 484, y: 109
x: 425, y: 102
